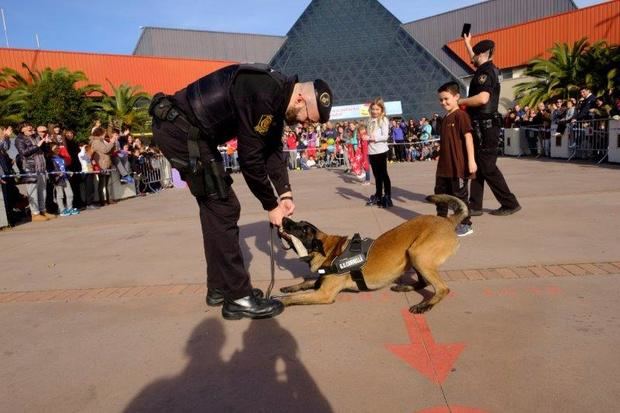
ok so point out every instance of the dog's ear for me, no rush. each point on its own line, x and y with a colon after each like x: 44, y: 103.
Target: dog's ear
x: 317, y: 245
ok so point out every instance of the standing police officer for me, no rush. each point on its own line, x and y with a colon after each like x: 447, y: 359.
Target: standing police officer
x: 250, y: 102
x: 481, y: 105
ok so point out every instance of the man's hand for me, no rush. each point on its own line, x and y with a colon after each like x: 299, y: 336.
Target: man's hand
x: 467, y: 39
x: 288, y: 207
x: 276, y: 215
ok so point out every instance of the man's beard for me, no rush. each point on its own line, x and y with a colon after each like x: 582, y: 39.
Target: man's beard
x: 291, y: 115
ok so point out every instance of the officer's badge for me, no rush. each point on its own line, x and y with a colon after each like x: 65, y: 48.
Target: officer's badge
x: 263, y: 124
x: 482, y: 79
x: 325, y: 99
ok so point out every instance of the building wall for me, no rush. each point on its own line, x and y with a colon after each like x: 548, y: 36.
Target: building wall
x: 238, y: 47
x: 437, y: 31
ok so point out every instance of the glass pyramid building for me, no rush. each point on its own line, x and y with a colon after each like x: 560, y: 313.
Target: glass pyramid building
x: 360, y: 49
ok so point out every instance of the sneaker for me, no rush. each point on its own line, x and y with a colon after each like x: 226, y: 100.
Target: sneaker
x: 74, y: 211
x: 251, y: 307
x: 49, y: 215
x: 503, y: 211
x: 475, y: 212
x: 39, y: 218
x: 65, y: 213
x: 92, y: 206
x: 462, y: 230
x: 373, y: 200
x: 124, y: 180
x: 215, y: 296
x: 366, y: 183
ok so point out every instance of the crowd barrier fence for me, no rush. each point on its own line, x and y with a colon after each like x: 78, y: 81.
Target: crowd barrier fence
x: 152, y: 174
x: 595, y: 140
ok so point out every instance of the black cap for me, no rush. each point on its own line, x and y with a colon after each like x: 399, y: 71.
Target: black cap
x: 483, y: 46
x: 323, y: 99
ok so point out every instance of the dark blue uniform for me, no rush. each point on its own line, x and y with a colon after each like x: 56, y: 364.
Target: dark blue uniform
x: 237, y: 101
x: 486, y: 126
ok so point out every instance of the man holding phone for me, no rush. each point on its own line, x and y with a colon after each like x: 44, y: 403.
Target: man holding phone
x: 481, y: 105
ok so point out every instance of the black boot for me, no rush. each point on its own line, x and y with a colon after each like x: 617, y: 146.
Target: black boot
x: 251, y: 307
x: 385, y: 202
x: 215, y: 296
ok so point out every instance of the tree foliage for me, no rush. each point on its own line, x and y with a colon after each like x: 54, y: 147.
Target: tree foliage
x: 126, y: 106
x: 66, y: 97
x: 568, y: 69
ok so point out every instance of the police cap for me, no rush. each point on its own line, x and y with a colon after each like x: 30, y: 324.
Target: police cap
x: 323, y: 99
x: 483, y: 46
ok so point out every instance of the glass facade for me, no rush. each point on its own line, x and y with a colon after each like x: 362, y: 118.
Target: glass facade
x: 360, y: 49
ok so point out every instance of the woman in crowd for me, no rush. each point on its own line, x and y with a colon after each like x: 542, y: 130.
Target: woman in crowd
x: 378, y: 128
x: 102, y: 152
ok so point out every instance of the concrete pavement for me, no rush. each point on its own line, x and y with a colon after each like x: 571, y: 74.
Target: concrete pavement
x: 105, y: 311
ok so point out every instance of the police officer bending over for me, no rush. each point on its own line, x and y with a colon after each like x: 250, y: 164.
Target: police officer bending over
x: 481, y: 104
x: 251, y: 102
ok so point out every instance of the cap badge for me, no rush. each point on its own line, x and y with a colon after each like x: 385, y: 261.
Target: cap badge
x: 325, y: 99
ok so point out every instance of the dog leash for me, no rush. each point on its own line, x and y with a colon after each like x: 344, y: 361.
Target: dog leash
x: 272, y: 258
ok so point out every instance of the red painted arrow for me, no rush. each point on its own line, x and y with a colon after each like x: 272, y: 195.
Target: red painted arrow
x: 431, y: 359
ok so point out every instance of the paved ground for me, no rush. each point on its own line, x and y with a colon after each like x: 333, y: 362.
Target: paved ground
x: 105, y: 311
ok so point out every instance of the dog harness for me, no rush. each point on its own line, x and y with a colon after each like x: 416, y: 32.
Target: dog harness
x: 352, y: 261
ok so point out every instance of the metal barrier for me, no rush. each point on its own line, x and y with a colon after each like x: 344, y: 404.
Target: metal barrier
x: 589, y: 139
x: 153, y: 173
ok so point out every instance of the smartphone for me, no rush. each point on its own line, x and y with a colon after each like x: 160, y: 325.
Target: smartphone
x: 466, y: 29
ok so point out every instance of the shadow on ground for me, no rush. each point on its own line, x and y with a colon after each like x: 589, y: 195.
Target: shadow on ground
x: 265, y: 376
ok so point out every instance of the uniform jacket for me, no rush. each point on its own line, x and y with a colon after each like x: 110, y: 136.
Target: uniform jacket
x: 247, y: 101
x: 486, y: 79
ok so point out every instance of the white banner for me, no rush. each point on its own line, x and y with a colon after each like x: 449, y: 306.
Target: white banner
x: 361, y: 110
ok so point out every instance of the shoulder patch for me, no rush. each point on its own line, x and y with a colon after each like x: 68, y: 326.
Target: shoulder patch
x: 482, y: 79
x: 263, y: 124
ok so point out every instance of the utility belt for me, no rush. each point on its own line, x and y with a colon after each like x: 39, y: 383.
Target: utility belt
x: 480, y: 125
x: 204, y: 174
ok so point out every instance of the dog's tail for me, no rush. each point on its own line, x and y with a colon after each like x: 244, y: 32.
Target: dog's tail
x: 460, y: 208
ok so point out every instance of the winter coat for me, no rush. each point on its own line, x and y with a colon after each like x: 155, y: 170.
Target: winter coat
x: 32, y: 157
x: 102, y: 151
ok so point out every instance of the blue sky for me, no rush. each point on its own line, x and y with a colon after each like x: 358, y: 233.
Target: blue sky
x: 113, y: 26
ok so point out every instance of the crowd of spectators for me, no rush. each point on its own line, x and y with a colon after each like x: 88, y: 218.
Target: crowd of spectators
x: 338, y: 144
x: 560, y: 113
x: 62, y: 176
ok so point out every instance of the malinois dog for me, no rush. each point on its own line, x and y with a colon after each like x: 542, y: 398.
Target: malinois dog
x: 423, y: 243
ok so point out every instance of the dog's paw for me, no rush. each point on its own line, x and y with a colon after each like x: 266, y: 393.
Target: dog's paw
x: 288, y: 290
x: 420, y: 308
x: 402, y: 288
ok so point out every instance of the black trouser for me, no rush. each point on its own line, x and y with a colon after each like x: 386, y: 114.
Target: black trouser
x: 104, y: 183
x: 399, y: 149
x: 76, y: 183
x: 218, y: 218
x: 378, y: 164
x: 452, y: 186
x: 486, y: 159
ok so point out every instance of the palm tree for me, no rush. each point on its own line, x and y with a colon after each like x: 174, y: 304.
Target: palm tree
x: 128, y: 105
x: 17, y: 92
x: 601, y: 64
x: 13, y: 96
x: 559, y: 77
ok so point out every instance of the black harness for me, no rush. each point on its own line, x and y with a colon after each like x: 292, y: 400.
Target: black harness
x: 352, y: 261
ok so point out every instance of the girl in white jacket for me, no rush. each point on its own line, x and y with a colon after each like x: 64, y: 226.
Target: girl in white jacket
x: 378, y: 130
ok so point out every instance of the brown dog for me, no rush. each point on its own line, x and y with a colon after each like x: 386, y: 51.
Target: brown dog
x: 423, y: 243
